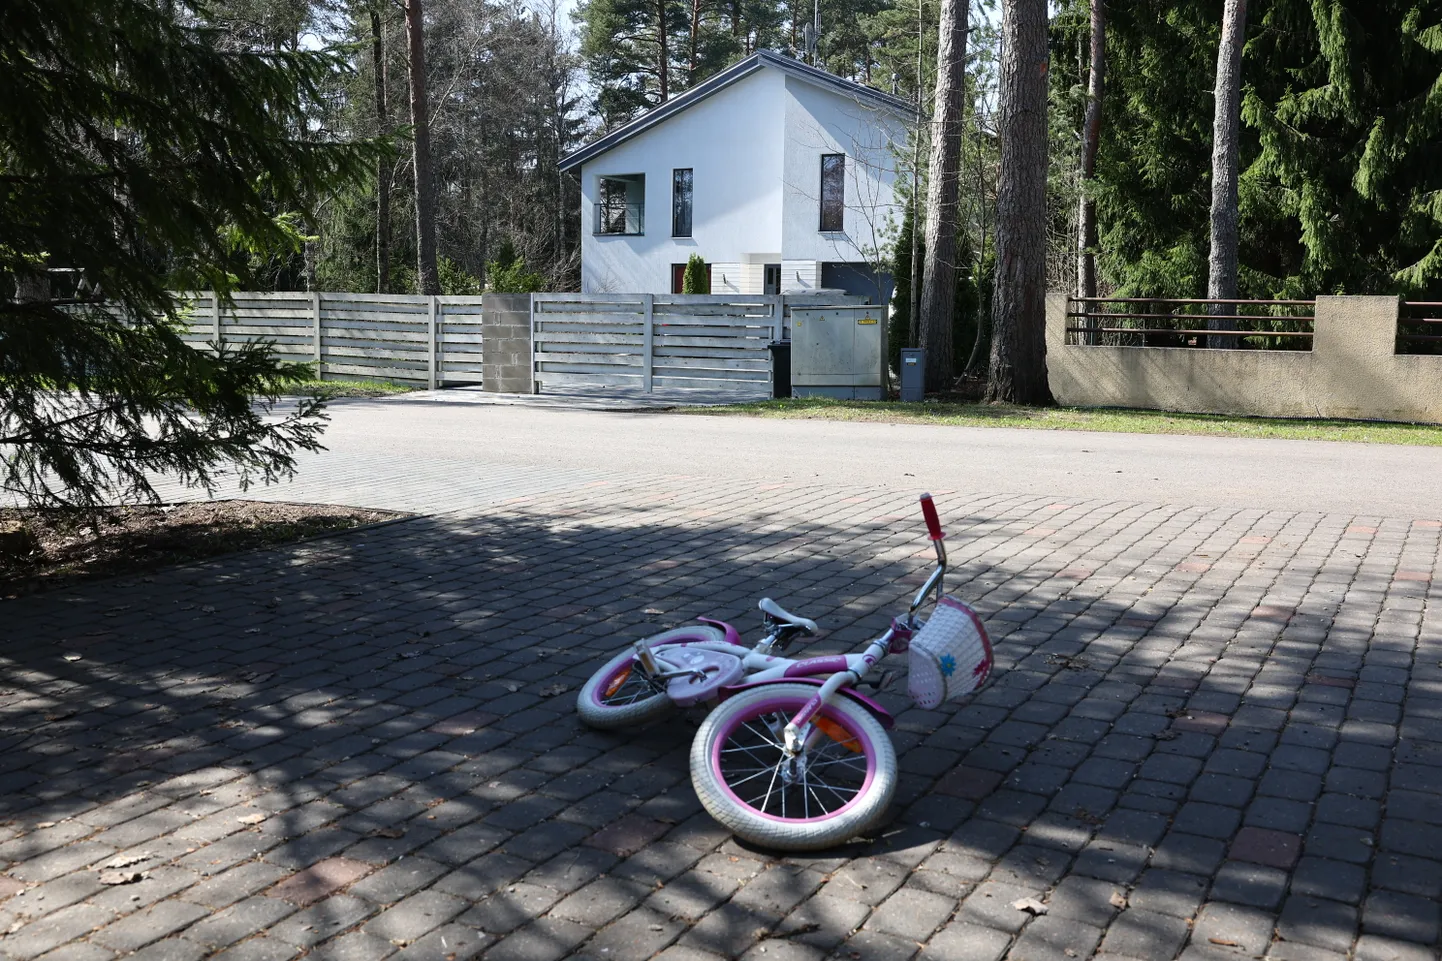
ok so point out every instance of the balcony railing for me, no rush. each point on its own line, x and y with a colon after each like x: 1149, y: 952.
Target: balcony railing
x: 620, y: 220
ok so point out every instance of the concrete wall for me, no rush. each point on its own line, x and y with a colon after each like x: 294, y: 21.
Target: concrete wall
x: 506, y: 344
x: 1352, y: 371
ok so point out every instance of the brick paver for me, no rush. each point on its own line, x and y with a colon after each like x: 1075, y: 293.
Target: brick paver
x: 1212, y: 732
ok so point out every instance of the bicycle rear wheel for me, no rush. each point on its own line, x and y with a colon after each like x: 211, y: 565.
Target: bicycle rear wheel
x: 620, y: 694
x: 834, y: 790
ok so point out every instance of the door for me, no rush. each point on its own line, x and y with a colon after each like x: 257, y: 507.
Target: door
x: 772, y: 282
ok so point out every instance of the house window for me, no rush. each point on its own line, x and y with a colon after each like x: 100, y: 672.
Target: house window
x: 681, y: 202
x: 620, y: 205
x: 833, y: 190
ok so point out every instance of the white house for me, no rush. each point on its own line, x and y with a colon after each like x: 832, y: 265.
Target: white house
x: 779, y: 175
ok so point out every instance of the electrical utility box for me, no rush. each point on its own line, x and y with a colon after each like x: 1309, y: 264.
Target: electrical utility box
x: 838, y: 352
x: 913, y: 374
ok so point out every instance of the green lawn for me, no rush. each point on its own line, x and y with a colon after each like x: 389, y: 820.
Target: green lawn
x: 1070, y: 418
x: 332, y: 389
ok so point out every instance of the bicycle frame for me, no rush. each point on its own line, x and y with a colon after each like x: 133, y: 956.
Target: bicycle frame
x: 844, y: 671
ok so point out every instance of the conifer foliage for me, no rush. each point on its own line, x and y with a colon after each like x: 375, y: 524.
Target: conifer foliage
x: 137, y: 153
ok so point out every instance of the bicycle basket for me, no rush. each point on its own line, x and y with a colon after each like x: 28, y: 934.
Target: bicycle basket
x: 950, y: 656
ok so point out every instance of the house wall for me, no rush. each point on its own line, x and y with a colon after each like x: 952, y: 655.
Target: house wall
x: 732, y: 141
x: 821, y: 122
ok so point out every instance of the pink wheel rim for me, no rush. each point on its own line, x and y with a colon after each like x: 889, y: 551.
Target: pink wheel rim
x: 788, y: 705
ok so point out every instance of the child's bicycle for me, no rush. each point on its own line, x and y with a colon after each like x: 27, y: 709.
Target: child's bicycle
x: 793, y: 757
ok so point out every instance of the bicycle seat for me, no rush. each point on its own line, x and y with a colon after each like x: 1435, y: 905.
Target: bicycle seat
x: 776, y: 611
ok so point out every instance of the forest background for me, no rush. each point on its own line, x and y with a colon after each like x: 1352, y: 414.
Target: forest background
x: 1340, y: 187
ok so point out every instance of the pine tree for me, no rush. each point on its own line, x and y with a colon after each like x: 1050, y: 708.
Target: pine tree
x: 1091, y: 137
x: 135, y: 154
x: 1018, y: 346
x: 942, y: 185
x: 1226, y: 160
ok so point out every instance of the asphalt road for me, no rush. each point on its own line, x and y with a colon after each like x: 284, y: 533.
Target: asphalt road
x: 1359, y: 479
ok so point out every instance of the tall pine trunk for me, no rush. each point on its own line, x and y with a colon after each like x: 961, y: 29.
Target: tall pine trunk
x: 695, y: 41
x: 938, y: 286
x: 383, y: 174
x: 663, y: 54
x: 1226, y: 143
x: 1018, y: 305
x: 1086, y: 265
x: 428, y: 279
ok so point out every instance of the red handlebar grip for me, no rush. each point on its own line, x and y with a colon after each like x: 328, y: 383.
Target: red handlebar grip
x: 933, y: 523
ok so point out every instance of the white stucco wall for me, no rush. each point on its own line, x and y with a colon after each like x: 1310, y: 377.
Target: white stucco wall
x: 755, y: 150
x: 732, y: 141
x: 821, y: 122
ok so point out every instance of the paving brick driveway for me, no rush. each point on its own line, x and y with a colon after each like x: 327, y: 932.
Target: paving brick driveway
x: 1214, y: 734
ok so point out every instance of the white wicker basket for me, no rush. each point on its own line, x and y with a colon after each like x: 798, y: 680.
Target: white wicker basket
x: 950, y: 656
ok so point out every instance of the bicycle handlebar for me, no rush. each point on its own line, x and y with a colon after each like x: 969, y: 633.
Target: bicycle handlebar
x: 933, y: 523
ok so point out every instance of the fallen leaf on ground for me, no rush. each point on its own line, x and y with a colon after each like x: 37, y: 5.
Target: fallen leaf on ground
x: 551, y: 690
x: 653, y: 610
x: 1224, y: 942
x: 46, y: 824
x: 122, y: 876
x: 126, y: 860
x: 72, y: 657
x: 512, y: 686
x: 1031, y: 905
x: 390, y: 832
x: 251, y: 818
x: 1118, y: 899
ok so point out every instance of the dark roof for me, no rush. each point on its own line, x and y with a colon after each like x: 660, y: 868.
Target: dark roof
x: 733, y: 73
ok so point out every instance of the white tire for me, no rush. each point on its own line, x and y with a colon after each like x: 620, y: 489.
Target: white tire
x: 618, y: 695
x: 741, y: 773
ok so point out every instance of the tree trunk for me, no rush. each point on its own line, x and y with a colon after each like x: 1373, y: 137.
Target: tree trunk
x: 663, y: 56
x: 1018, y: 305
x: 695, y: 41
x: 1086, y: 265
x: 1226, y: 140
x: 428, y: 279
x: 383, y: 166
x: 938, y: 285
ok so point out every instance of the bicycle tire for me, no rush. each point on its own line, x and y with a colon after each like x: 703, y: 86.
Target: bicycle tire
x: 745, y: 727
x: 603, y: 707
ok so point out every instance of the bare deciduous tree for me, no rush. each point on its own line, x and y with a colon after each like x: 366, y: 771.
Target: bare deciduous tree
x: 1086, y: 268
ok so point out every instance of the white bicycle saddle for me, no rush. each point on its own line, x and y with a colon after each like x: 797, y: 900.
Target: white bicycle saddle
x: 776, y: 611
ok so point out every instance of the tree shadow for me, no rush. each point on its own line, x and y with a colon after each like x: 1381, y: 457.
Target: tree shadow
x: 403, y: 698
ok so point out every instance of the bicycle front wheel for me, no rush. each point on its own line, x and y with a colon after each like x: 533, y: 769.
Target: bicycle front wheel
x: 834, y: 790
x: 620, y: 694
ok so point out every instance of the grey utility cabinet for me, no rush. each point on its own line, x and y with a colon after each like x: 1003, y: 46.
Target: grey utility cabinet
x: 838, y: 352
x: 913, y: 373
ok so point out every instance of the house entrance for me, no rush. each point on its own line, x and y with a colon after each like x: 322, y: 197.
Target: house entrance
x: 772, y: 282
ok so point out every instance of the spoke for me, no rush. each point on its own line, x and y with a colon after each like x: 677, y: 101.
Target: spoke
x: 767, y: 801
x: 735, y: 785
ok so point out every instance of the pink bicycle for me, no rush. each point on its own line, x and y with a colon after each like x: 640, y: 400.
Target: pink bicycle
x: 793, y: 756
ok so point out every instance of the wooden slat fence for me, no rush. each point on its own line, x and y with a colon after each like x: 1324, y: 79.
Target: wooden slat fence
x: 401, y: 337
x: 645, y: 341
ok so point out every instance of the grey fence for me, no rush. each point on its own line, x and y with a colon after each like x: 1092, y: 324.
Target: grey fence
x: 409, y: 338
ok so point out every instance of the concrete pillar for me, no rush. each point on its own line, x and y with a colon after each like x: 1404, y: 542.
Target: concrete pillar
x: 506, y: 344
x: 1353, y: 348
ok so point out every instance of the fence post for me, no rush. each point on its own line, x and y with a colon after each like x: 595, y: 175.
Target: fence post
x: 778, y: 316
x: 315, y: 323
x: 215, y: 318
x: 431, y: 327
x: 535, y: 384
x: 648, y: 311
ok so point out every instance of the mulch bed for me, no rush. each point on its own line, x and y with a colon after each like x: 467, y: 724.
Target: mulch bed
x: 132, y: 540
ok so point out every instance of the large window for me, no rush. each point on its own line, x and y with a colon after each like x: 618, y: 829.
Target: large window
x: 833, y: 190
x: 681, y: 202
x: 620, y: 204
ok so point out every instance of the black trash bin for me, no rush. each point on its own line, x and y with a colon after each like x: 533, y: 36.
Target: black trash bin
x: 780, y: 367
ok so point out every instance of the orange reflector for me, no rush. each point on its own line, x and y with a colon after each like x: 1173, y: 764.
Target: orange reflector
x: 838, y: 734
x: 621, y: 679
